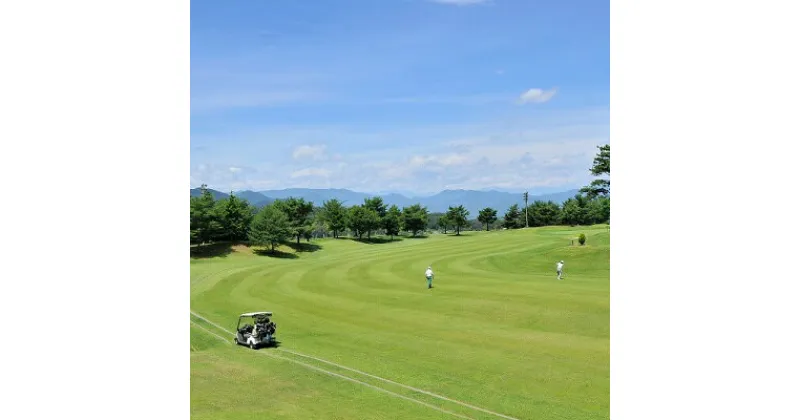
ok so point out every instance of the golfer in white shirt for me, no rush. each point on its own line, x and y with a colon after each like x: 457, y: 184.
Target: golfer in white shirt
x: 560, y: 268
x: 429, y: 276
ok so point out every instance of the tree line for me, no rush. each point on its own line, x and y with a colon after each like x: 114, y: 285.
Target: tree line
x: 235, y: 219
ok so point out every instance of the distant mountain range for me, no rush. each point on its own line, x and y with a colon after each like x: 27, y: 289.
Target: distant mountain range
x: 196, y: 192
x: 473, y: 200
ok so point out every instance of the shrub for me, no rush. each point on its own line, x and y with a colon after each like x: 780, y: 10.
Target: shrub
x: 581, y: 239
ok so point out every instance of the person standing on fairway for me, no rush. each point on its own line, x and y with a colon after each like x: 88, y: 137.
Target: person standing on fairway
x: 560, y: 268
x: 429, y: 276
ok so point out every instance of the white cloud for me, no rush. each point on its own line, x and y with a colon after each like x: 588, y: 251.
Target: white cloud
x: 529, y: 159
x: 313, y: 152
x: 234, y: 169
x: 460, y: 2
x: 537, y: 95
x: 311, y: 172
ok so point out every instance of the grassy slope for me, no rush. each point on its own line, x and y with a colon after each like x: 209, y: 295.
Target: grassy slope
x: 497, y: 331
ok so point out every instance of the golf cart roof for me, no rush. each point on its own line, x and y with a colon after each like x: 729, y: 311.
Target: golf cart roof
x: 250, y: 314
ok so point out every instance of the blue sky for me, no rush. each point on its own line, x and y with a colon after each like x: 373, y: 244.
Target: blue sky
x: 398, y: 95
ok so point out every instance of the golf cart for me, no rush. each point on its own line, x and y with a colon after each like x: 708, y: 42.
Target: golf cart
x: 261, y: 332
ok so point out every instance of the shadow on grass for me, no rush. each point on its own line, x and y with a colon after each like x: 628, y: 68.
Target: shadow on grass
x: 454, y: 235
x: 274, y: 345
x: 222, y: 249
x: 376, y: 240
x: 304, y: 247
x: 416, y: 237
x: 267, y: 252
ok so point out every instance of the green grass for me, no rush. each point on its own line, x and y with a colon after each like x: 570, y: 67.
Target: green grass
x: 498, y: 331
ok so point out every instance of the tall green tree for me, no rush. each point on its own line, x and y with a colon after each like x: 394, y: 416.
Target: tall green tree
x: 583, y: 209
x: 362, y: 220
x: 319, y: 224
x: 298, y: 211
x: 204, y: 225
x: 444, y: 223
x: 393, y: 221
x: 234, y: 215
x: 601, y: 167
x: 458, y: 216
x: 354, y: 220
x: 512, y: 217
x: 544, y: 213
x: 376, y: 204
x: 269, y: 227
x: 572, y: 214
x: 598, y: 211
x: 335, y: 215
x: 605, y: 209
x: 372, y: 221
x: 487, y: 216
x: 415, y: 218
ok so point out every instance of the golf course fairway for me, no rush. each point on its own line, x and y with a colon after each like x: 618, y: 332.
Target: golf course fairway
x: 362, y: 337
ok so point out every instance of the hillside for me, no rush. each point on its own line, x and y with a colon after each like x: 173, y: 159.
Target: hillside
x: 256, y: 199
x: 195, y: 192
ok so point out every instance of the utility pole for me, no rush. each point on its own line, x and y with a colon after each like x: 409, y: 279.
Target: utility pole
x: 525, y: 196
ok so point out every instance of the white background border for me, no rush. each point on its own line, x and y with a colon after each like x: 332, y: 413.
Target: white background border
x: 94, y: 163
x: 703, y: 289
